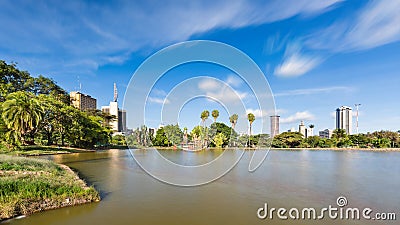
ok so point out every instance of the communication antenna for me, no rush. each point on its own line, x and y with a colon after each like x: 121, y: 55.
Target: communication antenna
x: 79, y: 85
x: 115, y: 92
x: 357, y: 105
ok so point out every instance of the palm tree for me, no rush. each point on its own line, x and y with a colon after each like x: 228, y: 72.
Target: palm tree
x: 233, y: 119
x: 339, y: 133
x: 215, y: 114
x: 185, y: 133
x: 204, y: 116
x: 22, y: 112
x: 251, y: 119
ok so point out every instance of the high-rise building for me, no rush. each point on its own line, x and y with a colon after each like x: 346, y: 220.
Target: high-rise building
x: 82, y: 101
x: 303, y: 129
x: 274, y: 125
x: 344, y: 117
x: 119, y: 123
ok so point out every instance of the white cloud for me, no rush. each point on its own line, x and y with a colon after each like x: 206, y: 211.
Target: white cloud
x: 258, y: 113
x: 109, y: 32
x: 312, y: 91
x: 233, y: 80
x: 228, y: 95
x: 221, y: 91
x: 209, y: 85
x: 375, y: 25
x: 296, y: 65
x: 305, y: 115
x: 158, y: 100
x: 158, y: 92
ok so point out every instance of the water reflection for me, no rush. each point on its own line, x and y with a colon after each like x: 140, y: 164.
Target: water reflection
x: 286, y: 179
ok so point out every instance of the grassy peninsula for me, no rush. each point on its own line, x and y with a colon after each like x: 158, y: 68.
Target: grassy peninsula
x: 29, y: 185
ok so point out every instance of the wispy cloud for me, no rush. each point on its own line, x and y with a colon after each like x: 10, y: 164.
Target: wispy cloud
x: 222, y: 90
x: 298, y: 116
x: 312, y: 91
x: 210, y: 85
x: 158, y: 100
x: 108, y: 33
x: 234, y: 81
x: 296, y: 65
x: 375, y: 25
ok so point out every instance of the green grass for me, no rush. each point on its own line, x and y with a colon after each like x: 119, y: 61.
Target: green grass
x: 28, y: 185
x: 34, y: 150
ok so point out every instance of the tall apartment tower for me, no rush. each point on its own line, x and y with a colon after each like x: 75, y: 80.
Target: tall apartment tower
x: 82, y: 101
x: 344, y: 117
x: 274, y: 125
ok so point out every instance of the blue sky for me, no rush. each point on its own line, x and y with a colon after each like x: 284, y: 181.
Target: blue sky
x: 316, y: 55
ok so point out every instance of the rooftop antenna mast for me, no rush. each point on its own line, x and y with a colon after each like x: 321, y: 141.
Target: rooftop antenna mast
x: 80, y: 85
x: 357, y: 105
x: 115, y: 92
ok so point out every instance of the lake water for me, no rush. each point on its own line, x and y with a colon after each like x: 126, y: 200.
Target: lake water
x: 286, y: 179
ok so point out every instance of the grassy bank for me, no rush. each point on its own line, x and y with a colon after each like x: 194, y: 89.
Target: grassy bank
x: 35, y: 150
x: 29, y: 185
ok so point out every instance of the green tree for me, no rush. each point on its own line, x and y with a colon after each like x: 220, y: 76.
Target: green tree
x: 288, y: 140
x: 341, y: 138
x: 118, y: 140
x: 22, y: 113
x: 233, y: 120
x: 174, y: 134
x: 251, y: 119
x: 261, y: 140
x: 339, y: 133
x: 12, y: 80
x: 204, y: 116
x: 160, y: 139
x: 228, y: 132
x: 219, y: 140
x: 313, y: 141
x: 360, y: 140
x: 215, y: 114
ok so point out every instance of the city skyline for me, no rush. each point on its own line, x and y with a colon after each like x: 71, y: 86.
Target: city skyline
x: 315, y: 55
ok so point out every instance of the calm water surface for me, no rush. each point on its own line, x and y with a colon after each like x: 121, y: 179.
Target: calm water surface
x: 286, y: 179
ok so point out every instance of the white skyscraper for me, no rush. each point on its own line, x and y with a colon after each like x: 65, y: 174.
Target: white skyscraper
x: 344, y: 120
x: 274, y: 125
x: 119, y: 123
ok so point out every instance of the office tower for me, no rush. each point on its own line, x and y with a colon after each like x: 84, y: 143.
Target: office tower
x: 344, y: 119
x: 119, y: 123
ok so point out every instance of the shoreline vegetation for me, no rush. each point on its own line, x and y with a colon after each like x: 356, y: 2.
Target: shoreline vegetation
x: 29, y: 185
x: 296, y: 149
